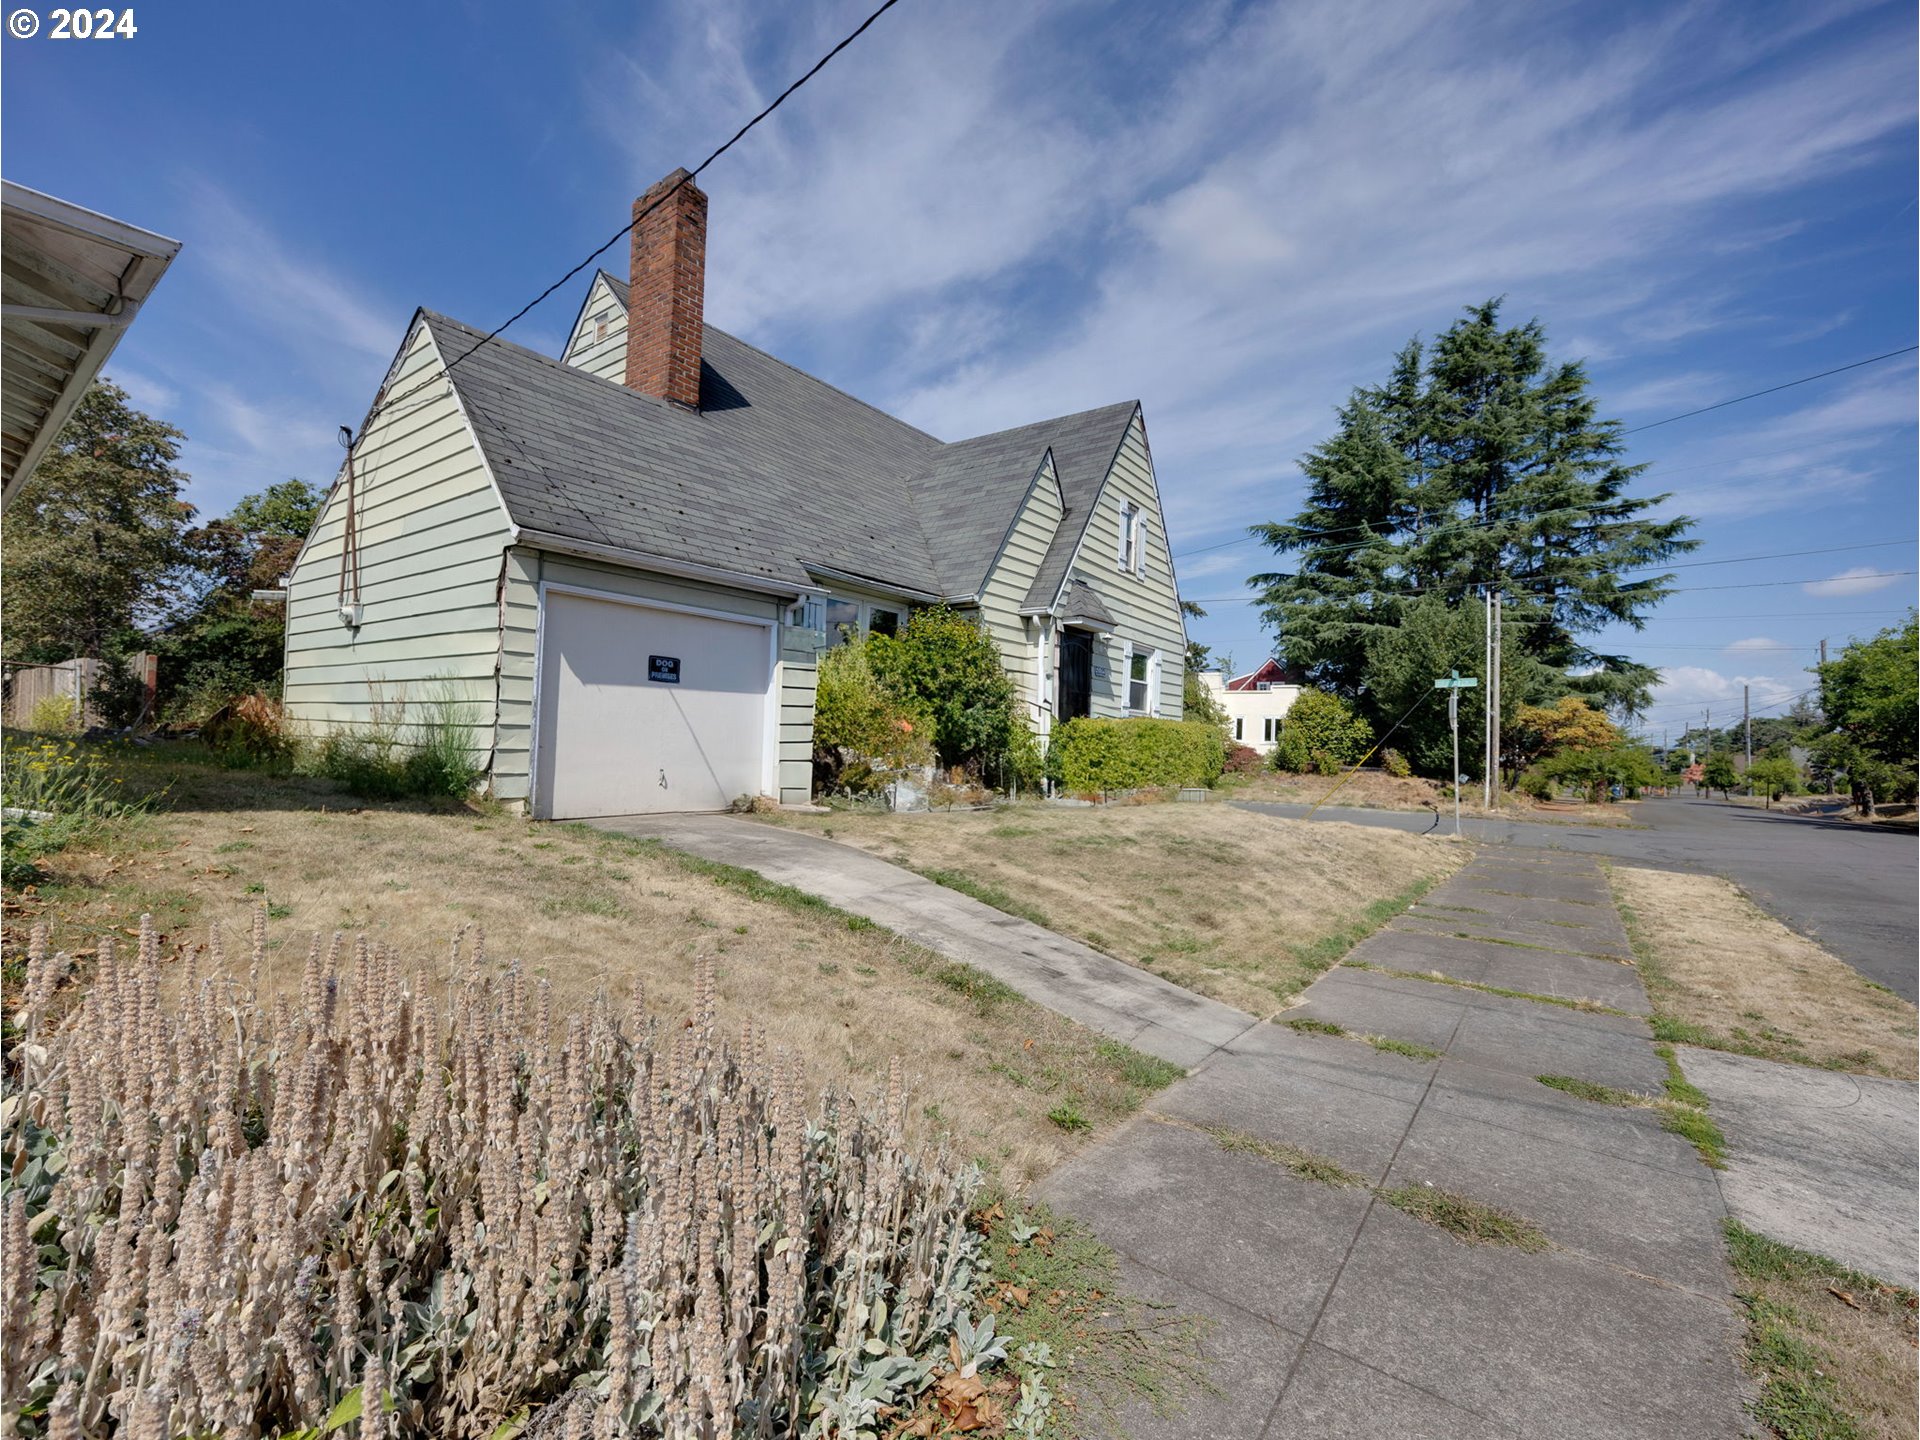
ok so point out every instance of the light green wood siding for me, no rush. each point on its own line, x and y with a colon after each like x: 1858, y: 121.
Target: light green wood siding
x: 1146, y: 607
x: 527, y: 570
x: 599, y: 342
x: 1008, y: 581
x: 431, y: 531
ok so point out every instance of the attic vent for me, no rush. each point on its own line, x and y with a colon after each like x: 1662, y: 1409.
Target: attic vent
x: 600, y: 324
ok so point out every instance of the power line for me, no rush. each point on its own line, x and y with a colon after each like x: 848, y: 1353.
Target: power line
x: 1535, y: 595
x: 1651, y: 425
x: 624, y: 230
x: 1771, y: 390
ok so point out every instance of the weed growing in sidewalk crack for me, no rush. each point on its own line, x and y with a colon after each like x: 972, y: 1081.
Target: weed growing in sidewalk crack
x: 1306, y: 1025
x: 1469, y: 1219
x: 1434, y: 977
x: 1686, y: 1118
x: 1459, y: 1215
x: 1303, y: 1163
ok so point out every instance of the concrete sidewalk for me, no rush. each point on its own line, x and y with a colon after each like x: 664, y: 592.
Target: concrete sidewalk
x: 1821, y: 1160
x: 1336, y: 1314
x: 1104, y: 994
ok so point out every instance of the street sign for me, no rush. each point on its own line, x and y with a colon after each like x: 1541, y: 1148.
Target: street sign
x: 1453, y: 683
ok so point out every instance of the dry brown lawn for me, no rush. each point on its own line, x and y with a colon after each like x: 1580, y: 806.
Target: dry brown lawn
x: 1374, y: 790
x: 1723, y: 973
x: 583, y: 909
x: 1244, y: 907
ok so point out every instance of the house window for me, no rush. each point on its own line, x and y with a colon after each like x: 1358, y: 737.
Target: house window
x: 841, y: 621
x: 1140, y: 681
x: 1264, y: 686
x: 1271, y: 727
x: 883, y: 622
x: 1132, y: 556
x: 1239, y: 728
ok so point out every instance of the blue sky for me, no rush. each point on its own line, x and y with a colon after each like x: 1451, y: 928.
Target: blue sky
x: 986, y: 213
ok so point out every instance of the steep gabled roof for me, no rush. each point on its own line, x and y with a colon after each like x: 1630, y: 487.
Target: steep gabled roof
x: 969, y: 492
x: 777, y: 472
x: 1082, y: 460
x: 775, y: 468
x: 1270, y: 672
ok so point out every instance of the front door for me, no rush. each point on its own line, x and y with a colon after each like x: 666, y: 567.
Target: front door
x: 1076, y: 674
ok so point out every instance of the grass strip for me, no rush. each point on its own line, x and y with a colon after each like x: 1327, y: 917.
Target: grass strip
x: 1469, y: 1219
x: 1319, y: 956
x: 1686, y: 1118
x: 1303, y: 1163
x: 1306, y: 1025
x: 1459, y: 1215
x: 1820, y: 1381
x: 985, y: 893
x: 1433, y: 977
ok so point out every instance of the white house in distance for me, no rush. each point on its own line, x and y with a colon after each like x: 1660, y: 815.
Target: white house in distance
x: 624, y: 562
x: 1255, y: 703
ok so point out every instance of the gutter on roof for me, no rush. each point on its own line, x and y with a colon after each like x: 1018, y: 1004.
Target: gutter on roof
x: 640, y: 560
x: 905, y: 592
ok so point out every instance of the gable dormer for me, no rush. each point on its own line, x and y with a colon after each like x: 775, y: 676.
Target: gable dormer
x: 598, y: 344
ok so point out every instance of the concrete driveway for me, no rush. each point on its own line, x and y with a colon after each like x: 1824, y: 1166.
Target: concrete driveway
x: 1851, y: 887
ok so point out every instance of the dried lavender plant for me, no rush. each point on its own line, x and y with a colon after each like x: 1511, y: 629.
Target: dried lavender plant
x: 225, y: 1218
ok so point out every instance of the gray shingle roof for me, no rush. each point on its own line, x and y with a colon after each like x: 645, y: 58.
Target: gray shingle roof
x: 779, y: 471
x: 1082, y: 605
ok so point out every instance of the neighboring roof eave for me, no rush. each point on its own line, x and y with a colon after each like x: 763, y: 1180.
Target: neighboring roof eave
x: 869, y: 582
x: 77, y: 243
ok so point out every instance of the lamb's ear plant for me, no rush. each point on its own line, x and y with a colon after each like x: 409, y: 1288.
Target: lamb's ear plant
x: 230, y: 1216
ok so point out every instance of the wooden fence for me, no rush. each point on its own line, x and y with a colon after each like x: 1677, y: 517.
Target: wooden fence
x: 26, y: 686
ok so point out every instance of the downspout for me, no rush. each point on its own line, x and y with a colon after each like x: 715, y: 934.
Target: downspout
x: 499, y: 663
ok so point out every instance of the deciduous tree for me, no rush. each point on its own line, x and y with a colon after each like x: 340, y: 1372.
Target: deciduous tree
x: 94, y: 545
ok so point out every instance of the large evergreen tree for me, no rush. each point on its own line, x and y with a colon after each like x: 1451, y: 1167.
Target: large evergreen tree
x: 1477, y: 464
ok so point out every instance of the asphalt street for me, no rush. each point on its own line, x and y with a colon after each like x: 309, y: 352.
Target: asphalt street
x: 1854, y: 888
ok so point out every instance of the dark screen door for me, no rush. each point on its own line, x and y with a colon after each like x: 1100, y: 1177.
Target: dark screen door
x: 1076, y: 674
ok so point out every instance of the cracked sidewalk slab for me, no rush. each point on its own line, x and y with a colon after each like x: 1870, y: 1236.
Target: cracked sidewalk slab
x: 1625, y: 1327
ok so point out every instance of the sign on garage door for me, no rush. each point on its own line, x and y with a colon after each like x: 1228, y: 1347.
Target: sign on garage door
x: 643, y: 709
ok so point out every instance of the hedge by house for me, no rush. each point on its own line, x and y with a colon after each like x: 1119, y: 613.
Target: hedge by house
x: 1134, y: 754
x: 1322, y: 735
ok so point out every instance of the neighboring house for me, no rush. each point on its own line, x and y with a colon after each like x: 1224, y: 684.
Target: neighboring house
x: 625, y: 562
x: 74, y: 282
x: 1255, y: 703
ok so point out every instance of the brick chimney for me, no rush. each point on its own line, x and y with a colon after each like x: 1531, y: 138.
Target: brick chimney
x: 666, y: 292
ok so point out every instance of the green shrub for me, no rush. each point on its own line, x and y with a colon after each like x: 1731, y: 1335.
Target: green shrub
x: 945, y: 666
x: 68, y: 792
x: 1321, y: 735
x: 1395, y: 764
x: 54, y: 715
x: 863, y: 732
x: 441, y: 761
x: 1100, y: 755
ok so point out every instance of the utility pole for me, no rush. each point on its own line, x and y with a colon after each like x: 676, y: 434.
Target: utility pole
x: 1486, y: 709
x: 1823, y: 652
x: 1746, y: 719
x: 1453, y: 684
x: 1498, y: 678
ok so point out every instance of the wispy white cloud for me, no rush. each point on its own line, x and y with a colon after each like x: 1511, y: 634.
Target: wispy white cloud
x: 280, y: 287
x: 1856, y: 580
x: 1755, y: 642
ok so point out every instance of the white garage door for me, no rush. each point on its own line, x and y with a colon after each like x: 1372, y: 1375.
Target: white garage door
x: 646, y: 710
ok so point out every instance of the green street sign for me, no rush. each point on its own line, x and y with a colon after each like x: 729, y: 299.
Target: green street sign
x: 1455, y: 682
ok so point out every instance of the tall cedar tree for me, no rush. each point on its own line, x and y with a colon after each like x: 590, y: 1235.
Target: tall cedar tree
x: 1478, y: 463
x: 94, y: 545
